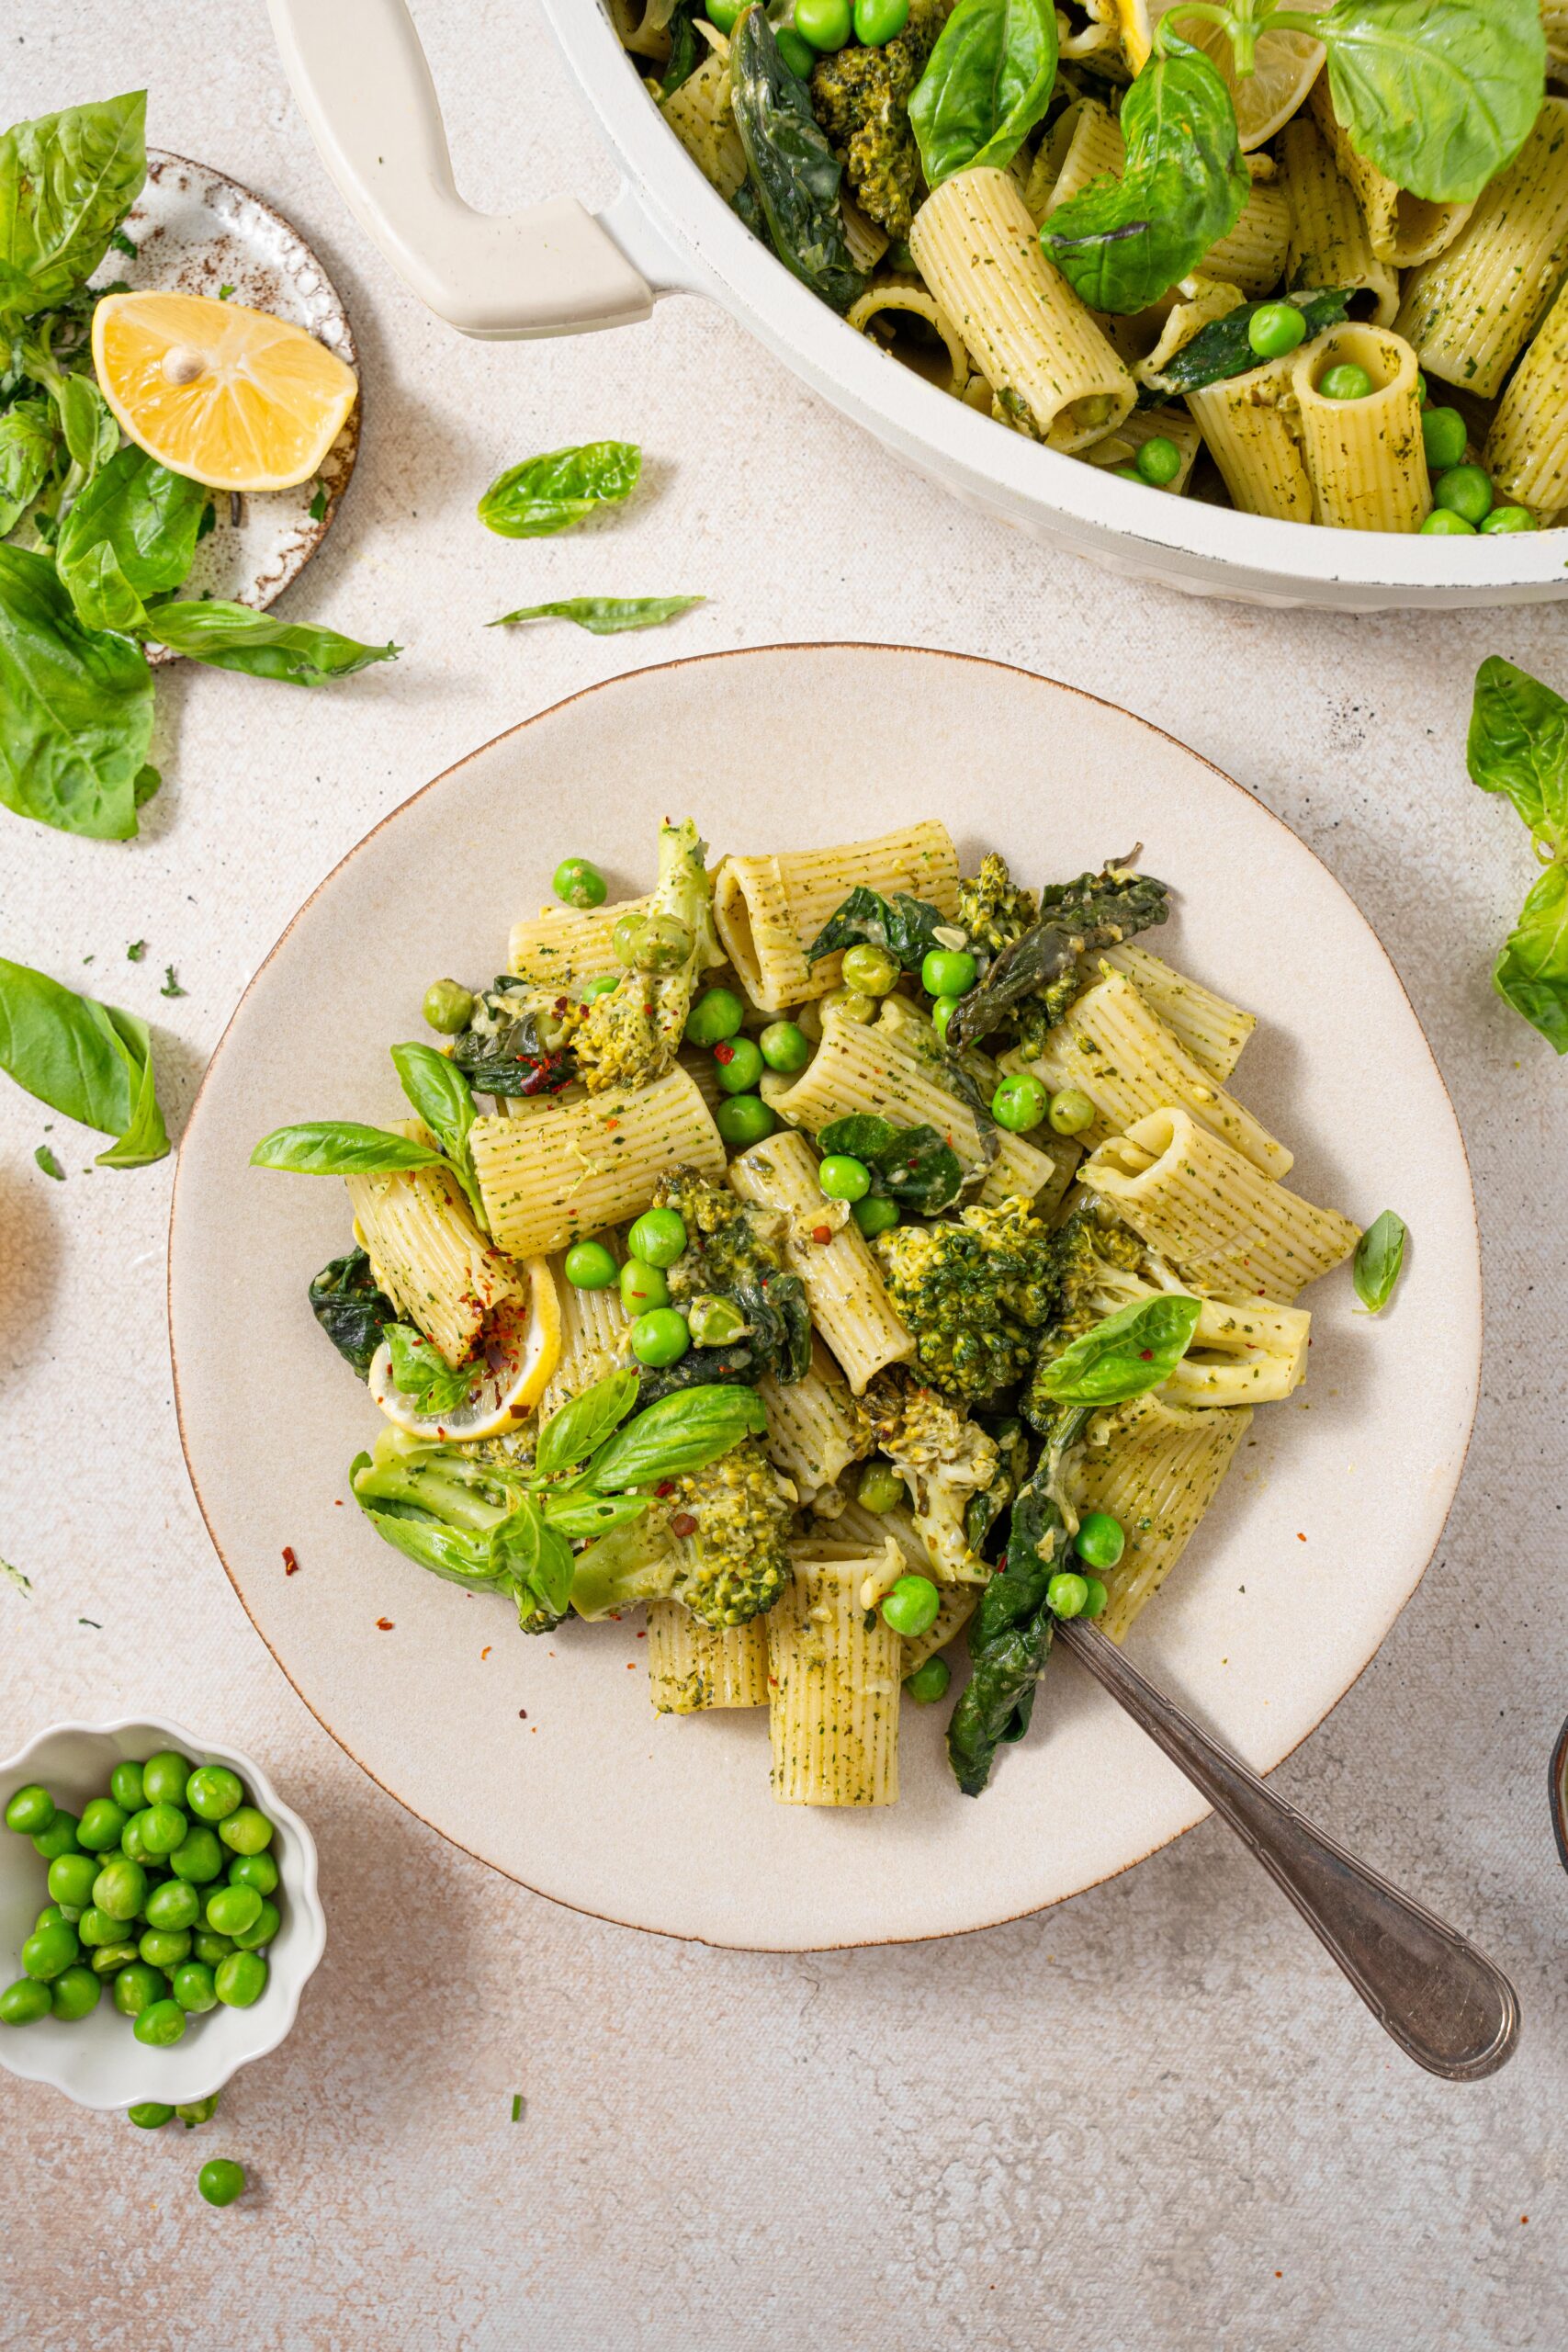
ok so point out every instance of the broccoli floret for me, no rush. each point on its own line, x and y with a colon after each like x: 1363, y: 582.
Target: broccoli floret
x: 717, y: 1539
x: 630, y: 1035
x: 861, y: 97
x: 974, y: 1292
x: 994, y: 910
x: 945, y: 1461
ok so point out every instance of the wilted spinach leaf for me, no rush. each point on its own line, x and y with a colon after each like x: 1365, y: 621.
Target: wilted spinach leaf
x: 913, y: 1164
x: 793, y: 169
x: 351, y: 1309
x: 1221, y: 349
x: 906, y: 927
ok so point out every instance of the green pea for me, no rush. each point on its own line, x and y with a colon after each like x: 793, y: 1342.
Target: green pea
x: 200, y: 1858
x: 262, y: 1929
x: 797, y: 54
x: 745, y: 1119
x: 642, y: 1287
x: 149, y: 2114
x: 110, y: 1959
x: 880, y: 20
x: 1440, y: 524
x: 130, y: 1844
x: 241, y: 1980
x: 851, y: 1005
x: 658, y: 1238
x: 626, y: 937
x: 56, y: 1914
x: 1071, y: 1112
x: 1100, y: 1539
x: 1020, y: 1103
x: 165, y: 1776
x: 448, y: 1007
x: 75, y: 1994
x: 221, y: 2181
x: 871, y: 971
x: 1066, y: 1593
x: 101, y: 1826
x: 1130, y: 473
x: 1508, y: 518
x: 929, y: 1682
x: 713, y: 1321
x: 879, y: 1486
x: 1159, y: 460
x: 246, y: 1832
x: 948, y: 971
x: 1345, y: 383
x: 876, y: 1213
x: 213, y: 1792
x: 192, y: 2111
x: 25, y: 2001
x: 739, y: 1065
x: 160, y: 2024
x: 120, y: 1888
x: 229, y: 1908
x: 578, y: 883
x: 912, y: 1607
x: 715, y: 1015
x: 843, y: 1178
x: 1445, y: 434
x: 194, y: 1989
x: 71, y: 1878
x: 723, y: 13
x: 96, y: 1929
x: 30, y: 1811
x: 1099, y: 1598
x: 824, y: 23
x: 589, y: 1265
x: 660, y: 1338
x: 164, y: 1948
x: 662, y: 945
x: 1465, y: 491
x: 605, y: 984
x: 136, y: 1987
x: 59, y: 1838
x: 163, y: 1827
x: 784, y: 1046
x: 48, y: 1951
x: 211, y: 1948
x: 259, y: 1870
x: 1275, y: 328
x: 944, y: 1008
x: 126, y: 1786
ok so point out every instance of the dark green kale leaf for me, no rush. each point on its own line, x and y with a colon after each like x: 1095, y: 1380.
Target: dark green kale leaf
x: 1037, y: 975
x: 906, y: 927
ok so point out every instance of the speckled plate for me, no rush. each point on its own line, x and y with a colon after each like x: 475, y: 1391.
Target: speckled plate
x: 197, y: 232
x: 542, y: 1755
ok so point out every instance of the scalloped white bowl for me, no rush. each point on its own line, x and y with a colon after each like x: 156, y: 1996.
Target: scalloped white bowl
x: 97, y: 2061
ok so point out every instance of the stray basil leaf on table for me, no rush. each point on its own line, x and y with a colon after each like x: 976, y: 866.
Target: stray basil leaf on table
x: 89, y: 1061
x: 605, y: 615
x: 549, y: 493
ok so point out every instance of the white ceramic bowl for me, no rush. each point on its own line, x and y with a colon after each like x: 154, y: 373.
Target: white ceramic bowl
x: 99, y: 2060
x: 362, y: 82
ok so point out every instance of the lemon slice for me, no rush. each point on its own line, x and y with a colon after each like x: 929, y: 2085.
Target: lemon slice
x: 1287, y: 63
x: 522, y: 1347
x: 231, y: 397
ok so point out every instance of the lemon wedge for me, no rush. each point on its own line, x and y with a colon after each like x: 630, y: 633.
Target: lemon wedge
x: 1287, y: 63
x: 521, y: 1349
x: 231, y: 397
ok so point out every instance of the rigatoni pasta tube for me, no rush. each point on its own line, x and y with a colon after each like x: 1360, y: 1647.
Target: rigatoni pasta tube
x: 1243, y: 1351
x: 577, y: 1163
x: 1084, y: 144
x: 815, y: 1429
x: 565, y: 947
x: 889, y: 297
x: 1206, y: 1209
x: 1329, y: 245
x: 1252, y: 255
x: 1172, y: 424
x: 1471, y: 313
x: 1526, y: 449
x: 428, y: 1255
x: 769, y: 910
x: 1248, y: 422
x: 1402, y: 228
x: 1365, y: 456
x: 835, y: 1681
x: 1156, y: 1474
x: 1213, y: 1030
x: 1053, y: 374
x: 691, y: 1666
x: 843, y: 1288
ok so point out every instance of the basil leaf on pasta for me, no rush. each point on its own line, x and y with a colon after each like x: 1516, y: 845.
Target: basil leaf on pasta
x: 340, y: 1147
x: 1130, y: 1353
x: 1440, y: 95
x: 985, y: 85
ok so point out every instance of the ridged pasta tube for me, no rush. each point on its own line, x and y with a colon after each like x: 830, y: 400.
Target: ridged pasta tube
x: 1401, y: 228
x: 702, y: 119
x: 843, y: 1288
x: 1200, y: 301
x: 1471, y: 314
x: 1243, y: 1351
x: 1082, y: 145
x: 1526, y: 449
x: 1213, y: 1030
x: 1053, y: 374
x: 814, y: 1431
x: 902, y: 295
x: 571, y: 1165
x: 1252, y: 255
x: 1329, y: 245
x: 1173, y: 424
x: 1249, y: 423
x: 1366, y: 459
x: 769, y: 910
x: 428, y: 1255
x: 565, y: 947
x: 835, y: 1677
x: 692, y: 1666
x: 1158, y: 1471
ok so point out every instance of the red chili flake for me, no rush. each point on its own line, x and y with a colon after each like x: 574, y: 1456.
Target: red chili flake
x: 337, y: 1500
x: 290, y: 1562
x: 385, y: 1623
x: 1301, y: 1539
x: 665, y: 1487
x: 522, y: 1714
x: 822, y: 1234
x: 610, y: 1124
x: 631, y: 1666
x: 1147, y: 1354
x: 682, y: 1524
x: 723, y: 1054
x: 642, y: 1637
x: 485, y: 1652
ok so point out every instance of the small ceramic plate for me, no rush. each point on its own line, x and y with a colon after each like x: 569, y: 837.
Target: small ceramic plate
x: 198, y: 232
x: 542, y: 1755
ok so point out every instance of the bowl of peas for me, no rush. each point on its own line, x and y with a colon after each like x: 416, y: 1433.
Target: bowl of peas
x: 159, y: 1917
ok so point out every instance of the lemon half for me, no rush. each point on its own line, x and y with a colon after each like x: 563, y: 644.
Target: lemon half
x: 521, y: 1349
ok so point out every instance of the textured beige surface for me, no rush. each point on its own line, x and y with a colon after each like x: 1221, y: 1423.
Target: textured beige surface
x: 1153, y: 2120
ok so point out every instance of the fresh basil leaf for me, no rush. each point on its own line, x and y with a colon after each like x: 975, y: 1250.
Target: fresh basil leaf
x: 913, y: 1164
x: 1221, y: 349
x: 66, y: 182
x: 101, y: 596
x: 422, y: 1372
x: 580, y: 1426
x: 30, y: 437
x: 232, y: 637
x: 1127, y: 1355
x: 1379, y: 1254
x: 1519, y: 746
x: 1122, y: 243
x: 442, y: 1096
x: 986, y: 83
x: 352, y: 1309
x: 904, y: 926
x: 538, y: 1559
x: 91, y: 428
x: 144, y: 515
x: 75, y: 708
x: 471, y: 1560
x: 550, y: 493
x: 793, y: 169
x: 576, y: 1516
x: 47, y: 1163
x: 1440, y: 95
x: 605, y: 615
x: 340, y: 1147
x: 680, y: 1433
x: 88, y: 1061
x: 1531, y: 973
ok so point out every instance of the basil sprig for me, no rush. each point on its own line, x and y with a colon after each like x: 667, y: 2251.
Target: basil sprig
x: 88, y: 1061
x: 913, y: 1164
x: 1125, y: 1355
x: 550, y: 492
x: 67, y: 180
x: 1518, y: 748
x: 604, y: 615
x: 340, y: 1147
x: 1379, y: 1254
x: 75, y: 708
x: 422, y: 1372
x: 985, y: 84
